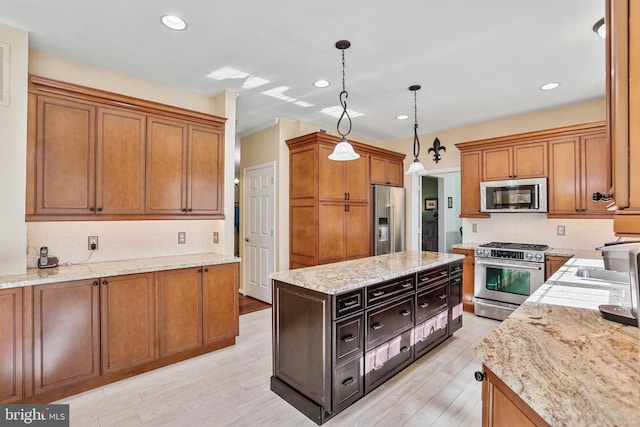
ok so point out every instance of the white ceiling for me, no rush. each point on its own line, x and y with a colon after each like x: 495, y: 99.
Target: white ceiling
x: 476, y: 60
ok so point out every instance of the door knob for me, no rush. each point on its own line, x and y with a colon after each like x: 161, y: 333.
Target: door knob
x: 246, y: 239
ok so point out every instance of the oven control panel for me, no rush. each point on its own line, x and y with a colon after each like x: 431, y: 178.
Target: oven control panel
x: 510, y: 254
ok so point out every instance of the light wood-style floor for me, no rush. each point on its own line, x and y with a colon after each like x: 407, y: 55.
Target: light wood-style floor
x: 230, y: 387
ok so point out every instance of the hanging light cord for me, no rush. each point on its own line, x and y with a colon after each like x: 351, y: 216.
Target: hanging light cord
x: 343, y: 101
x: 416, y: 141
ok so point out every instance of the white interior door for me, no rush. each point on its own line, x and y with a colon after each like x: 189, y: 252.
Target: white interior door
x: 259, y: 233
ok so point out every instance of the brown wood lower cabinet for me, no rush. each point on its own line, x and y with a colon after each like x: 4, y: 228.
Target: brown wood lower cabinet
x: 10, y: 345
x: 88, y: 333
x: 468, y: 278
x: 553, y: 263
x: 330, y: 350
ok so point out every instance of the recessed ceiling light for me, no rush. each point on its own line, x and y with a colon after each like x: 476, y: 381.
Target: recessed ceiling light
x: 549, y: 86
x: 321, y: 83
x: 174, y: 22
x: 402, y: 117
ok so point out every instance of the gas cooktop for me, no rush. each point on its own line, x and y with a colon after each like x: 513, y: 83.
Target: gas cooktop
x: 520, y: 246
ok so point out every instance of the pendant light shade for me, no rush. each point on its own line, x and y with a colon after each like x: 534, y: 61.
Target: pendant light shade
x: 343, y: 150
x: 416, y: 167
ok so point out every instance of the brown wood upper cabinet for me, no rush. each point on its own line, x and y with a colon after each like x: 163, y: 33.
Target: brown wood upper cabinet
x: 342, y: 181
x: 95, y: 155
x: 470, y: 178
x: 387, y: 171
x: 518, y: 161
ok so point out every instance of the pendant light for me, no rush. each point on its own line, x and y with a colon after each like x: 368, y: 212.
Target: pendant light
x: 416, y: 167
x: 343, y: 150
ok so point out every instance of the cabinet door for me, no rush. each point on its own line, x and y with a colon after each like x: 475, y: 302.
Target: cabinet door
x: 596, y: 172
x: 358, y: 231
x: 379, y: 171
x: 553, y: 264
x: 179, y: 310
x: 127, y: 321
x: 331, y: 232
x: 395, y: 173
x: 10, y: 345
x: 357, y: 185
x: 65, y: 150
x: 120, y: 165
x: 564, y: 176
x: 470, y: 176
x: 468, y: 278
x: 220, y: 302
x: 331, y: 176
x: 66, y: 333
x: 530, y: 160
x: 205, y: 172
x: 166, y: 167
x: 496, y: 164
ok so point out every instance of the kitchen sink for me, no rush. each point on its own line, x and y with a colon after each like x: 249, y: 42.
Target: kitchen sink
x: 604, y: 275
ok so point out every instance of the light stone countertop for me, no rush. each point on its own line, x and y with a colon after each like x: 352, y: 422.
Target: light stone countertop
x: 36, y: 276
x: 563, y: 359
x: 347, y: 275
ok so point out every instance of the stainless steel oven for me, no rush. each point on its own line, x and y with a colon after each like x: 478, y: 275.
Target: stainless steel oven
x: 506, y: 274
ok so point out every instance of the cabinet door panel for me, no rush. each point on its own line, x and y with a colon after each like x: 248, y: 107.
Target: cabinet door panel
x: 564, y: 176
x: 220, y: 298
x: 378, y: 171
x: 10, y: 345
x: 166, y: 165
x: 395, y: 173
x: 331, y: 176
x: 179, y: 310
x: 357, y: 179
x: 66, y: 333
x: 205, y: 174
x: 358, y: 231
x: 65, y: 150
x: 331, y: 232
x: 497, y: 164
x: 470, y: 176
x: 530, y: 160
x: 128, y: 321
x: 596, y: 174
x: 120, y: 164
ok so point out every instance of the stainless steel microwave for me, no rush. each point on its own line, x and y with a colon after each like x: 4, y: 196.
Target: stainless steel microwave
x: 515, y: 195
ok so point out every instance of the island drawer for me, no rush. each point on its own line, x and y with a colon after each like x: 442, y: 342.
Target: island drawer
x: 455, y: 269
x: 348, y: 338
x: 430, y: 333
x: 348, y: 303
x: 430, y: 302
x: 388, y: 321
x: 386, y: 360
x: 348, y: 384
x: 386, y: 291
x: 432, y: 277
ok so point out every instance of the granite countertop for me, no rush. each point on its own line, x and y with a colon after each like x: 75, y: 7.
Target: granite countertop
x: 347, y: 275
x: 64, y: 273
x: 563, y: 359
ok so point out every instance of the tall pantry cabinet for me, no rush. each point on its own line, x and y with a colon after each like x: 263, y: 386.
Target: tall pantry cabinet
x: 329, y: 201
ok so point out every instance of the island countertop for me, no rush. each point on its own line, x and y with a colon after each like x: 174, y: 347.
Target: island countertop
x: 65, y: 273
x: 347, y: 275
x: 563, y: 359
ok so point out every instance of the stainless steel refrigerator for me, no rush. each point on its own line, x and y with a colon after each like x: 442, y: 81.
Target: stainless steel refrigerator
x: 388, y: 234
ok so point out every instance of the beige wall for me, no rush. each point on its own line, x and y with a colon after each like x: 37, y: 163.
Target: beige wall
x: 13, y: 151
x: 133, y: 239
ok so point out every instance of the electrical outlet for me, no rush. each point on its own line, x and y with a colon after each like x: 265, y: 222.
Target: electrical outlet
x: 93, y: 243
x: 560, y: 230
x: 215, y: 237
x: 182, y: 237
x: 474, y: 228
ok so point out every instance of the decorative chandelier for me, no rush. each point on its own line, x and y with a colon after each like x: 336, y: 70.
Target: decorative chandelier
x: 343, y: 150
x: 416, y: 167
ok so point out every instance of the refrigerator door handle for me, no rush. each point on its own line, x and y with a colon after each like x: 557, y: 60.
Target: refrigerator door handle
x: 392, y: 228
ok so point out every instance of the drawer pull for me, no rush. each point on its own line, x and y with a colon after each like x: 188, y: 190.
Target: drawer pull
x: 348, y: 381
x: 405, y: 349
x: 407, y: 285
x: 378, y: 293
x: 405, y: 313
x: 377, y: 326
x: 443, y: 296
x: 350, y: 303
x: 424, y: 304
x: 349, y: 338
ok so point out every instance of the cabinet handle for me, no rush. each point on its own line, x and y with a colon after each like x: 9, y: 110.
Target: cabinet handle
x: 350, y: 303
x: 91, y: 209
x: 347, y: 208
x: 443, y: 296
x: 348, y: 381
x: 349, y: 338
x: 199, y: 270
x: 480, y: 376
x: 99, y: 209
x: 206, y: 270
x: 376, y: 367
x: 377, y: 326
x: 405, y: 313
x: 456, y: 281
x: 345, y: 196
x: 95, y: 283
x: 190, y: 210
x: 104, y: 282
x: 407, y: 285
x: 424, y: 304
x: 443, y: 273
x: 405, y: 349
x: 377, y: 293
x: 184, y: 210
x: 348, y: 196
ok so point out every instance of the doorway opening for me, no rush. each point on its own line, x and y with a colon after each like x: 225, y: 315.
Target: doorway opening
x: 439, y: 210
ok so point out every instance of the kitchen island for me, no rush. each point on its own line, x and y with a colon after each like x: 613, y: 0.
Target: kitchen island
x: 340, y: 330
x: 556, y: 361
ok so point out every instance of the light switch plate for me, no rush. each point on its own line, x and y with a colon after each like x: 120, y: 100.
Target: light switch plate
x: 216, y: 237
x: 474, y: 228
x: 560, y: 230
x: 182, y: 237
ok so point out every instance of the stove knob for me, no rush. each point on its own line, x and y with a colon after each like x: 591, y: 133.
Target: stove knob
x: 539, y: 257
x: 486, y: 252
x: 529, y: 255
x: 478, y: 251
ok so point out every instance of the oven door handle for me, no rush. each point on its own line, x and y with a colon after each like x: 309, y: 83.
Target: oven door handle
x: 494, y: 264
